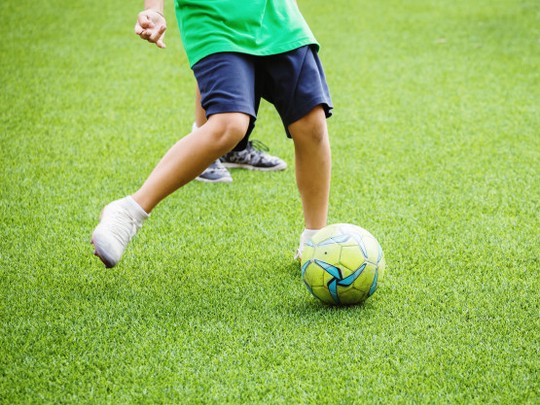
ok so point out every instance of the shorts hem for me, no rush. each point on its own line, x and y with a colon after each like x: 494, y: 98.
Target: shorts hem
x: 302, y: 111
x: 223, y: 109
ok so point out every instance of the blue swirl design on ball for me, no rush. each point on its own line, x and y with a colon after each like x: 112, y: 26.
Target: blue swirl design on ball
x: 337, y: 277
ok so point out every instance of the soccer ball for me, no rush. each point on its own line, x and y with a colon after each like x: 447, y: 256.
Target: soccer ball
x: 342, y: 264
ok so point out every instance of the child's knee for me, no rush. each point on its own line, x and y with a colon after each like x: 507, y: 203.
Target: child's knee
x: 236, y: 126
x: 229, y: 128
x: 312, y: 126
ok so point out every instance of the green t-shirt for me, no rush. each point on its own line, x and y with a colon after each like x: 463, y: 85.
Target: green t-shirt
x: 256, y: 27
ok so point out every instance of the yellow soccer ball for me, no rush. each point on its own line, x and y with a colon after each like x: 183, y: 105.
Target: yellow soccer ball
x: 342, y: 264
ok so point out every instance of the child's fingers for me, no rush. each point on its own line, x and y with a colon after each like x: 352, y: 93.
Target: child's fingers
x: 138, y: 29
x: 150, y: 31
x: 160, y: 43
x: 144, y: 21
x: 157, y: 36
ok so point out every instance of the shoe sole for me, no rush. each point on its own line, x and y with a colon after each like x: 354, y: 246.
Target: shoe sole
x: 250, y: 167
x: 203, y: 180
x: 97, y: 252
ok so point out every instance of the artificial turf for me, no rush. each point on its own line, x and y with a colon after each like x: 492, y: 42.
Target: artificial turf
x: 436, y: 150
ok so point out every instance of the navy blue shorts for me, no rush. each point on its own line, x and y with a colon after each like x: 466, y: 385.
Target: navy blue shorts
x: 294, y: 82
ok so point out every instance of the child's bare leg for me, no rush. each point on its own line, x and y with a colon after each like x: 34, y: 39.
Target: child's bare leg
x: 190, y: 156
x: 313, y: 166
x: 121, y: 219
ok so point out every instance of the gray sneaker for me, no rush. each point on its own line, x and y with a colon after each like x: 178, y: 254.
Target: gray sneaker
x: 215, y: 173
x: 254, y: 157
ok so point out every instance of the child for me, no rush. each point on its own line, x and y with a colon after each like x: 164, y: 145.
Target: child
x: 263, y: 48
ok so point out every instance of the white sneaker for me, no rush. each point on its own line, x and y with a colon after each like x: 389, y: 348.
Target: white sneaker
x: 119, y: 222
x: 304, y: 238
x: 298, y: 255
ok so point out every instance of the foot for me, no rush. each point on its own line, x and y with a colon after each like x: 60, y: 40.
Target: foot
x: 254, y: 157
x: 215, y: 173
x: 119, y: 222
x: 305, y: 238
x: 298, y: 255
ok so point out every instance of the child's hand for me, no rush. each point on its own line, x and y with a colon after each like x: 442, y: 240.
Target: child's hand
x: 151, y: 26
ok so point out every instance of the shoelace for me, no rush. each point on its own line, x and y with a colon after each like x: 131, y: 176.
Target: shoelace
x: 258, y: 145
x: 254, y: 149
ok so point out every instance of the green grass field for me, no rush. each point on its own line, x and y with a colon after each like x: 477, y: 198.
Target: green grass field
x: 436, y: 150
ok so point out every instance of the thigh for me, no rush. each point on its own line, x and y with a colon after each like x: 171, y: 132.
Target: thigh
x: 227, y: 83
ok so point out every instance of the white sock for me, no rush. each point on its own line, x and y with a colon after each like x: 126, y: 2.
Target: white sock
x: 136, y: 209
x: 306, y: 235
